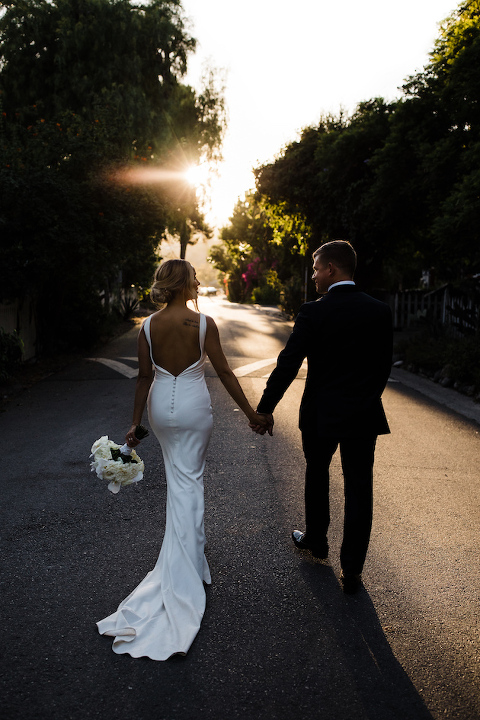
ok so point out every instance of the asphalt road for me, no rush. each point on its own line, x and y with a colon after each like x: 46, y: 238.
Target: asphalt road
x: 279, y: 639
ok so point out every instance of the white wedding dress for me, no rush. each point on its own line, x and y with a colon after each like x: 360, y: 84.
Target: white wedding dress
x: 162, y: 616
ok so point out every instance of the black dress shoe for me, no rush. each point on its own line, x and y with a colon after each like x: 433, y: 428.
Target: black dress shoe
x: 351, y: 583
x: 318, y: 552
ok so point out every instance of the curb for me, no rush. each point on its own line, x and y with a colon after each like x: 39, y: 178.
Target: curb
x: 272, y: 310
x: 443, y: 396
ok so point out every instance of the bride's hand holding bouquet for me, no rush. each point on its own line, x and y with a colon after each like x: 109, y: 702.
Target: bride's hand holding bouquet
x: 135, y: 435
x: 120, y: 466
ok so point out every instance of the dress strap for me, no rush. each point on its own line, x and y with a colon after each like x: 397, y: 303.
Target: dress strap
x: 202, y: 331
x: 146, y: 327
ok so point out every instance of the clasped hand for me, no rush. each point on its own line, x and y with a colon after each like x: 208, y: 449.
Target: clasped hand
x: 262, y: 423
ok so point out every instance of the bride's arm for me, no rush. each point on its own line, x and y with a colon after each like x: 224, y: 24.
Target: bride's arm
x: 215, y: 353
x: 144, y: 380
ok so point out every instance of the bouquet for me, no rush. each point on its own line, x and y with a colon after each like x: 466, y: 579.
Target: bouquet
x: 121, y: 466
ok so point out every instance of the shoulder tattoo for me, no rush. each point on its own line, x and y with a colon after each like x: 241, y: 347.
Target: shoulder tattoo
x: 190, y: 323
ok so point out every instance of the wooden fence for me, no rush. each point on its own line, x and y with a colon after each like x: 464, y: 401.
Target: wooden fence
x: 443, y: 306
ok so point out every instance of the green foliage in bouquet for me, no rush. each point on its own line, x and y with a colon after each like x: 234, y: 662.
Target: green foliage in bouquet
x: 117, y: 455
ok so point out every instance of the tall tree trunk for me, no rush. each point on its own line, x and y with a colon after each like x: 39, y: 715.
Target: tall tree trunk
x: 184, y: 238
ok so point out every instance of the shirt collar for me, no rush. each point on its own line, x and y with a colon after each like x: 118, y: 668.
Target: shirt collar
x: 341, y: 282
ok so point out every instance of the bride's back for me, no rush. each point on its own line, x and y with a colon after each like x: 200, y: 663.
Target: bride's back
x: 175, y: 338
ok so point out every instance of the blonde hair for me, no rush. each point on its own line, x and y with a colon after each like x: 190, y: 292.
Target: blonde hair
x: 173, y: 277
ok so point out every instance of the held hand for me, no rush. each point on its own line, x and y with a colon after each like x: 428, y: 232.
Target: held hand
x: 262, y: 423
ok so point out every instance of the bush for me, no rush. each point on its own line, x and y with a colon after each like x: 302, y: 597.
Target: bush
x: 292, y: 295
x: 464, y: 357
x: 424, y: 352
x: 126, y: 307
x: 74, y: 324
x: 443, y: 355
x: 266, y: 295
x: 11, y: 351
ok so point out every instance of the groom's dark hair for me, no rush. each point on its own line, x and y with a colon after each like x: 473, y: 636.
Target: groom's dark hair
x: 340, y: 253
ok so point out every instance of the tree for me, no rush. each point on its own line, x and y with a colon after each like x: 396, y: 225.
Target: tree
x: 242, y: 240
x: 79, y: 54
x: 399, y: 180
x: 262, y: 254
x: 453, y: 78
x: 91, y: 91
x: 325, y: 178
x: 426, y: 190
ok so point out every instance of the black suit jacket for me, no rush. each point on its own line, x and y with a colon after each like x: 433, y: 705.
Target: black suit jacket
x: 347, y: 337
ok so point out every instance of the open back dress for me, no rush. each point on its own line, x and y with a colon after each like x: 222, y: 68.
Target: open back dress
x: 162, y: 616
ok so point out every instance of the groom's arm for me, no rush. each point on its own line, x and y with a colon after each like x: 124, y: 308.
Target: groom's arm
x: 288, y: 363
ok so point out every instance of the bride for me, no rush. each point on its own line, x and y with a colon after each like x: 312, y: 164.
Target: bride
x: 162, y: 616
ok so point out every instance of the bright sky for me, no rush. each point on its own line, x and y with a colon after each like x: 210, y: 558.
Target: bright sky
x: 286, y: 62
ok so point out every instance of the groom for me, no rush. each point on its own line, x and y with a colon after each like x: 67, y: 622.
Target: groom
x: 347, y: 337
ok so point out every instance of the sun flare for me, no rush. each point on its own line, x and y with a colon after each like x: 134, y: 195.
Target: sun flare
x: 197, y: 174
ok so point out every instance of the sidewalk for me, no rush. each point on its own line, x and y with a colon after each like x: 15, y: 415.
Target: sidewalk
x: 444, y: 396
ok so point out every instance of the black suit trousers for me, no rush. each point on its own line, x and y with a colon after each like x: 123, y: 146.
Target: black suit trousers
x: 357, y: 456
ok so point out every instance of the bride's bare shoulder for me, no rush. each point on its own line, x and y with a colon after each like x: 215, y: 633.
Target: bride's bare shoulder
x: 212, y: 329
x: 161, y: 321
x: 154, y: 316
x: 147, y: 319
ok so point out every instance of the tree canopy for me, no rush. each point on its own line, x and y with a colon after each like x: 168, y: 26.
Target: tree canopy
x: 400, y: 180
x: 91, y: 97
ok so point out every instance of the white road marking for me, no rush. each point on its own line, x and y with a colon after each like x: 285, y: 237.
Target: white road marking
x: 251, y: 367
x: 246, y: 369
x: 117, y: 366
x: 303, y: 369
x: 241, y: 371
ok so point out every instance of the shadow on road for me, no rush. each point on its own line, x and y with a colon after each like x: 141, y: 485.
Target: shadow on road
x: 382, y: 684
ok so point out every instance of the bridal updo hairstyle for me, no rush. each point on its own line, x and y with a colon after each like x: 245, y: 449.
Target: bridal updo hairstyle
x: 173, y: 277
